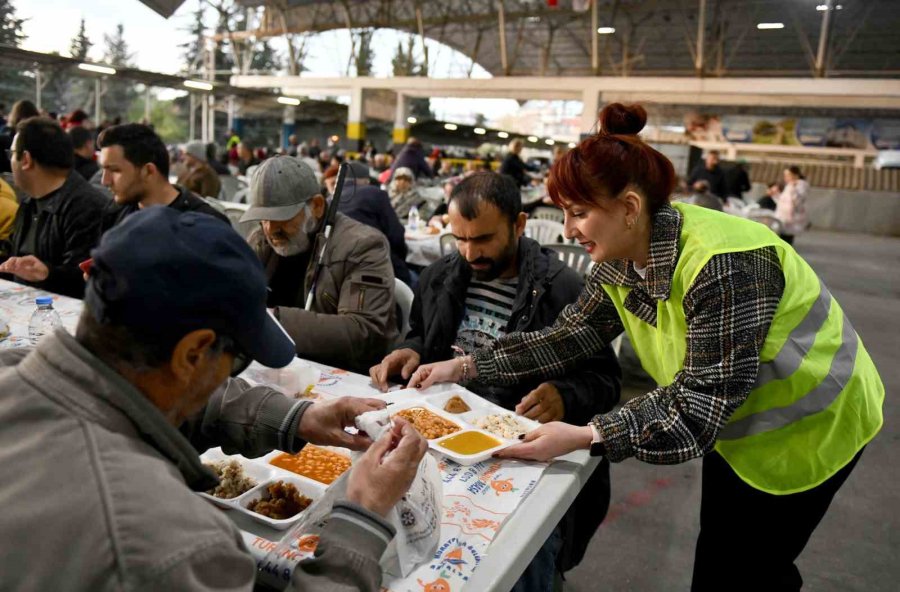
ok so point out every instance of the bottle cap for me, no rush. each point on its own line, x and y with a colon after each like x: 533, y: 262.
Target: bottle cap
x: 42, y: 300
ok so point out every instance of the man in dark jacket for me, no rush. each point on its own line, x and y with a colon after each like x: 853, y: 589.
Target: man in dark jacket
x: 500, y: 282
x: 413, y: 157
x: 513, y: 165
x: 710, y: 171
x: 351, y: 323
x: 83, y: 144
x: 136, y: 169
x: 372, y: 206
x: 56, y: 228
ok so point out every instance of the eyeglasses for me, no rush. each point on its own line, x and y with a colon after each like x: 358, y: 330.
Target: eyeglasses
x: 9, y: 153
x: 240, y: 359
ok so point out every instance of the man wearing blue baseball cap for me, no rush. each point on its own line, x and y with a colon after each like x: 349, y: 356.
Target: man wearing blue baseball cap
x: 101, y: 431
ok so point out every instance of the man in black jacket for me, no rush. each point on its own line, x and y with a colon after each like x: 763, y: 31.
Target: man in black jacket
x: 513, y: 165
x: 500, y: 282
x: 83, y: 144
x: 710, y: 171
x: 372, y: 206
x: 56, y: 228
x: 135, y: 166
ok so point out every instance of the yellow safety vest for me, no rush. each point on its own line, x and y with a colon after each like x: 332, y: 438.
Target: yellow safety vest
x: 817, y: 399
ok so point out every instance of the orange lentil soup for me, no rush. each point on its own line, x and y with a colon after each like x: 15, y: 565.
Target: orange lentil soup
x: 469, y: 443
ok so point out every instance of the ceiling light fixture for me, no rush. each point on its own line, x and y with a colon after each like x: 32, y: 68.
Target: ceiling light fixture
x: 502, y: 135
x: 411, y: 120
x: 289, y: 101
x: 606, y: 30
x: 480, y: 131
x: 764, y: 26
x: 198, y: 85
x: 450, y: 126
x: 97, y: 69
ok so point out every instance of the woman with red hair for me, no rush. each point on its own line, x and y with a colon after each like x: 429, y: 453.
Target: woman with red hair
x: 759, y: 370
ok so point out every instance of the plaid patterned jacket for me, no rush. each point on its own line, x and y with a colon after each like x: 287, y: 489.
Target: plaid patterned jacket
x: 728, y: 310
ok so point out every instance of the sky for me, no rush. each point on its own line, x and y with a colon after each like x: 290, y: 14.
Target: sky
x: 51, y: 24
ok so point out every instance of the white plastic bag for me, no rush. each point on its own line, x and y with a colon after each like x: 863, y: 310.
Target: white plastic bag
x: 416, y: 517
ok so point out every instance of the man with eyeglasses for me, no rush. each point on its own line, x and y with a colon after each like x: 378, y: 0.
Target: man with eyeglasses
x: 102, y: 430
x: 59, y: 223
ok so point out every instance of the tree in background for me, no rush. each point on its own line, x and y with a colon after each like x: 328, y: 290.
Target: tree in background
x: 119, y: 93
x: 405, y: 63
x: 192, y: 51
x: 362, y: 53
x: 169, y: 118
x: 13, y: 85
x: 80, y: 88
x: 66, y: 89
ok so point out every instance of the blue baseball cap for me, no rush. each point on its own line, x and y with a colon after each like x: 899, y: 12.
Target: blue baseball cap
x: 166, y: 273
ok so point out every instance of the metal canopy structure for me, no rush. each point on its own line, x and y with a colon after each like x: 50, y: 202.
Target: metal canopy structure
x: 847, y: 38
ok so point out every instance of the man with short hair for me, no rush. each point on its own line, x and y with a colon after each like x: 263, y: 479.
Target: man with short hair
x: 83, y: 143
x: 412, y: 156
x: 513, y: 165
x: 371, y: 205
x: 198, y: 176
x: 703, y: 198
x: 502, y: 282
x: 57, y: 226
x: 352, y: 321
x: 114, y: 417
x: 710, y: 171
x: 293, y: 143
x: 135, y: 166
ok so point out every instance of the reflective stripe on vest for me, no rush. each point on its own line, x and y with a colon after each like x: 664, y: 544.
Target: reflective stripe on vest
x: 787, y: 362
x: 817, y: 397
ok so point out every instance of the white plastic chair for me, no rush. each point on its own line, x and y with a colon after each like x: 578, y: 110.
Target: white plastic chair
x: 545, y: 232
x: 575, y: 256
x: 403, y: 296
x: 544, y: 213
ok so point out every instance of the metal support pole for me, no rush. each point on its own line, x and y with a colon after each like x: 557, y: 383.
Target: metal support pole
x: 504, y: 58
x: 821, y: 54
x: 211, y: 134
x: 204, y: 118
x: 701, y: 38
x: 97, y: 84
x: 401, y: 125
x: 147, y: 101
x: 38, y: 87
x: 595, y: 38
x: 192, y: 125
x: 231, y: 110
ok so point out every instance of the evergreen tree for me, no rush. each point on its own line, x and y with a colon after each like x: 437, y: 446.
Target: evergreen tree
x: 192, y: 51
x: 364, y: 54
x: 265, y: 59
x: 405, y: 64
x: 80, y: 45
x: 119, y: 93
x: 74, y: 89
x: 13, y: 85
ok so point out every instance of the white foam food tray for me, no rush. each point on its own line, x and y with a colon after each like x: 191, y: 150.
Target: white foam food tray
x: 479, y: 407
x: 264, y: 475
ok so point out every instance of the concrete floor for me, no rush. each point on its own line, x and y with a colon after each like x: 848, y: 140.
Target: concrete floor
x: 647, y: 540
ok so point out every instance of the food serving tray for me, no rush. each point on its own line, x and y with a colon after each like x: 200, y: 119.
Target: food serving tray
x: 264, y: 474
x: 452, y: 445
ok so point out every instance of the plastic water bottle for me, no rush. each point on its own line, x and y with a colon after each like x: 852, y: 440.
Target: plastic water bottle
x: 413, y: 220
x: 44, y: 320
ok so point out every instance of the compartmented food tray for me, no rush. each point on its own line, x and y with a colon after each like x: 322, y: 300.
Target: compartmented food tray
x: 468, y: 443
x: 264, y: 476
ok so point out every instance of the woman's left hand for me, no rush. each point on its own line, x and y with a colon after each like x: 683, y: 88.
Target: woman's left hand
x: 550, y: 441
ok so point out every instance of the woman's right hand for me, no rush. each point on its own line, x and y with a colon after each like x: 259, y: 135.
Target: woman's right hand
x: 549, y: 441
x: 429, y: 374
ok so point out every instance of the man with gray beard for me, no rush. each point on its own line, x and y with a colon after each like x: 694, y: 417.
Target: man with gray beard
x: 352, y: 323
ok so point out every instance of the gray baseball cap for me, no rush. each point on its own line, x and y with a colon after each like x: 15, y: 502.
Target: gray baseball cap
x: 196, y: 149
x: 279, y: 189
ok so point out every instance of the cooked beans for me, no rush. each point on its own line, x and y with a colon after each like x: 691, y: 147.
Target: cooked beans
x: 314, y: 462
x: 428, y: 424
